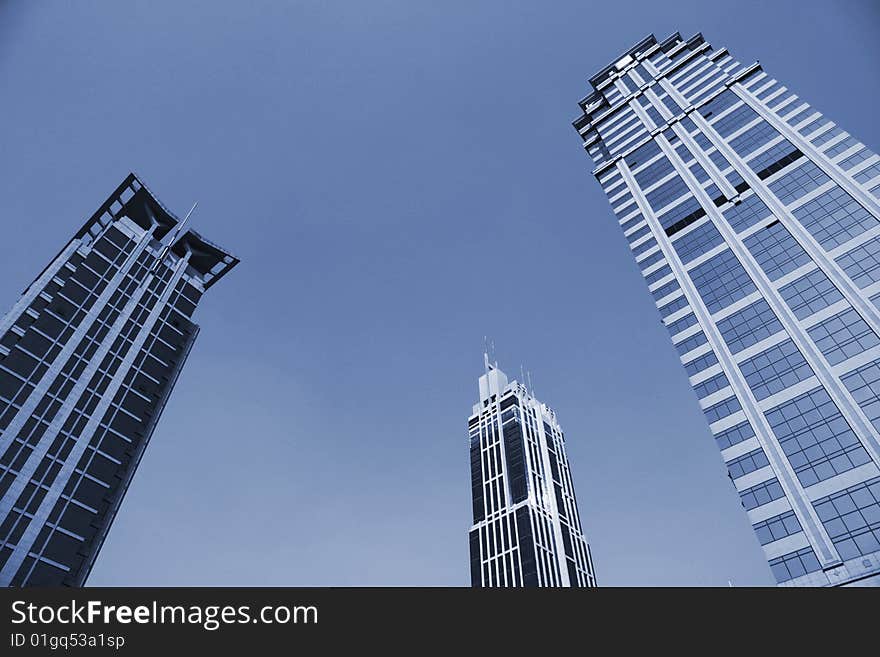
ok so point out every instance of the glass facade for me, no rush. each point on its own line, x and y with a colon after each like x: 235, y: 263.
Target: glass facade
x: 88, y: 357
x: 527, y: 528
x: 755, y: 222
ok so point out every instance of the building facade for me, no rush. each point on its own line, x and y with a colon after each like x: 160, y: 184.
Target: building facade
x: 756, y: 224
x: 526, y: 529
x: 88, y: 357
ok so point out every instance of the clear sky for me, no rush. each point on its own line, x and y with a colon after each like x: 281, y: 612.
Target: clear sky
x: 399, y: 178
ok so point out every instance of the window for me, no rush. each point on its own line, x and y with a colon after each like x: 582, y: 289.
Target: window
x: 777, y: 527
x: 700, y: 240
x: 665, y: 290
x: 722, y: 409
x: 864, y: 384
x: 727, y: 125
x: 711, y: 385
x: 753, y: 138
x: 747, y: 213
x: 862, y: 264
x: 652, y: 259
x: 654, y: 172
x: 642, y: 154
x: 666, y: 193
x: 794, y: 565
x: 743, y: 465
x: 632, y: 222
x: 734, y: 435
x: 641, y: 232
x: 681, y: 324
x: 721, y: 281
x: 718, y: 104
x: 798, y: 182
x: 749, y: 326
x: 644, y: 246
x: 775, y: 369
x: 681, y: 216
x: 659, y: 274
x: 701, y: 363
x: 834, y: 217
x: 761, y: 494
x: 776, y: 251
x: 815, y: 437
x: 774, y: 159
x: 842, y: 336
x: 852, y: 519
x: 810, y: 293
x: 676, y: 304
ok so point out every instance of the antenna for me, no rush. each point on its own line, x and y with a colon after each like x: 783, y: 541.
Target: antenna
x: 531, y: 389
x: 171, y: 241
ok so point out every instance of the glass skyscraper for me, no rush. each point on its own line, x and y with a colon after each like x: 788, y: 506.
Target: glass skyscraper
x: 527, y: 529
x: 756, y: 224
x: 88, y: 358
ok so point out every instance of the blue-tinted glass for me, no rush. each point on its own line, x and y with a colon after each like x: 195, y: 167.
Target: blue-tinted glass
x: 743, y: 465
x: 864, y: 384
x: 815, y: 437
x: 810, y: 293
x: 666, y: 193
x: 698, y: 241
x: 775, y: 369
x: 734, y: 435
x: 852, y: 518
x: 711, y: 385
x: 749, y: 326
x: 700, y: 363
x: 753, y: 138
x: 798, y: 182
x: 842, y: 336
x: 834, y: 217
x: 721, y: 280
x: 776, y: 251
x: 747, y: 213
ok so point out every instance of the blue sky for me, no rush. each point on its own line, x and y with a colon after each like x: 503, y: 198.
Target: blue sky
x: 399, y: 178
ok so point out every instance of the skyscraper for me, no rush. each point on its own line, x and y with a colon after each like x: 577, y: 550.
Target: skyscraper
x: 527, y: 529
x: 755, y: 222
x: 88, y: 358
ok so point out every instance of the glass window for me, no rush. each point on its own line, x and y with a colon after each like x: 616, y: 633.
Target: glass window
x: 749, y: 326
x: 734, y: 435
x: 810, y: 293
x: 842, y: 336
x: 721, y: 281
x: 775, y: 369
x: 815, y: 437
x: 852, y: 518
x: 798, y: 182
x: 747, y: 213
x: 776, y: 251
x: 700, y: 240
x: 743, y: 465
x: 834, y: 217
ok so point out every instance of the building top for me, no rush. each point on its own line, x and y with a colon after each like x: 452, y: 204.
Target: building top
x: 494, y: 385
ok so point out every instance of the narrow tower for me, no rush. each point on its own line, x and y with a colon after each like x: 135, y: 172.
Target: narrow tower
x: 88, y: 358
x: 527, y: 529
x: 756, y: 224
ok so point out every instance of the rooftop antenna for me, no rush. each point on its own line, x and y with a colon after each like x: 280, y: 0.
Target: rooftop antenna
x: 173, y: 239
x: 531, y: 389
x: 486, y: 354
x: 522, y: 376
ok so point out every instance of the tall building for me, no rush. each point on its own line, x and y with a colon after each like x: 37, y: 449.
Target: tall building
x: 755, y: 222
x: 88, y: 357
x: 527, y: 529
